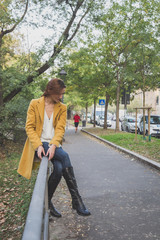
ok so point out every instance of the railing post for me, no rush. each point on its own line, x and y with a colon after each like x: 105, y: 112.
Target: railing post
x: 34, y: 222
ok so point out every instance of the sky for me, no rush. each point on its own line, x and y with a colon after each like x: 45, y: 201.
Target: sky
x: 34, y: 38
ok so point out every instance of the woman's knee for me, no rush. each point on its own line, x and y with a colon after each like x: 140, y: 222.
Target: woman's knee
x: 67, y: 162
x: 58, y: 168
x: 63, y: 156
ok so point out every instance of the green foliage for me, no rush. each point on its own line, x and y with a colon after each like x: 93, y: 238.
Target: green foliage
x: 13, y: 117
x: 128, y: 35
x: 10, y: 12
x: 119, y: 47
x: 13, y: 113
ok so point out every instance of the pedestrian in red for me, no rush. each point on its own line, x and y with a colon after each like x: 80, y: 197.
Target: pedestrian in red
x: 76, y: 121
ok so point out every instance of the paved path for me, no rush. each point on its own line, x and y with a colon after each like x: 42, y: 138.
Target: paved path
x: 122, y: 194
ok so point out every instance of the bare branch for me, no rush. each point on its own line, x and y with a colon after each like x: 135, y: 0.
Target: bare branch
x: 66, y: 32
x: 70, y: 6
x: 123, y: 49
x: 15, y: 25
x: 78, y: 25
x: 63, y: 41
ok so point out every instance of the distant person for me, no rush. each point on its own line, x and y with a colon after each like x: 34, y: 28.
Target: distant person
x: 76, y: 121
x: 45, y: 128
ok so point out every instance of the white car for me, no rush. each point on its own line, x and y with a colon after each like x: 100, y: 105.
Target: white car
x: 128, y: 124
x: 154, y: 125
x: 109, y: 122
x: 100, y: 121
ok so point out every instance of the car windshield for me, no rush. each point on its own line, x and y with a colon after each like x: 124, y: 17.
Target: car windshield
x: 131, y: 120
x: 154, y: 120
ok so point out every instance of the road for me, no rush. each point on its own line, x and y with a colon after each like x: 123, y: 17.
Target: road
x: 122, y: 194
x: 113, y: 125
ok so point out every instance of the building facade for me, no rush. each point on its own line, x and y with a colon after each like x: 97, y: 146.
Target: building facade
x: 152, y: 99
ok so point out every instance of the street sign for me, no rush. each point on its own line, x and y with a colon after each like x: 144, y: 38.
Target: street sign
x: 101, y: 101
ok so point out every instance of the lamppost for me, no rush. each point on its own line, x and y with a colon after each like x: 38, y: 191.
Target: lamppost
x: 63, y: 74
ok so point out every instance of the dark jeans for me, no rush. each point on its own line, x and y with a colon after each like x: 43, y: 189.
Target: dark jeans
x: 60, y: 161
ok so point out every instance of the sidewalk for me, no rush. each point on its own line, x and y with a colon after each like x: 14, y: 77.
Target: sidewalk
x: 121, y: 193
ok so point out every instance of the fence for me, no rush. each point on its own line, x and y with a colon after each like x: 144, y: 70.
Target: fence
x: 37, y: 222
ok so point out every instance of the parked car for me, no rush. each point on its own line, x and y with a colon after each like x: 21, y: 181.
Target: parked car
x: 109, y: 122
x: 88, y: 117
x: 114, y: 118
x: 98, y: 113
x: 154, y: 125
x: 138, y: 124
x: 128, y: 124
x: 100, y: 121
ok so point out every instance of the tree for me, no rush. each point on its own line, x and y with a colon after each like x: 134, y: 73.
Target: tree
x: 89, y: 76
x: 145, y: 58
x: 82, y: 73
x: 16, y: 76
x: 124, y: 27
x: 7, y: 25
x: 72, y: 11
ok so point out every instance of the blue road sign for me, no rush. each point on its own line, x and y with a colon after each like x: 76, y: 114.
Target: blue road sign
x: 101, y: 101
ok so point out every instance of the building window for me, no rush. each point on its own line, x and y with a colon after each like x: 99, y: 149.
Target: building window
x: 157, y: 100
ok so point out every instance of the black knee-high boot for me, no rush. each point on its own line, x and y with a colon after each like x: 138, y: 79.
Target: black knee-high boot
x: 77, y: 202
x: 53, y: 182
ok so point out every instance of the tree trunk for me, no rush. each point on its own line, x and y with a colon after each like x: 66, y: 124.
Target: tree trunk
x: 94, y: 124
x: 86, y: 111
x: 106, y: 111
x: 144, y: 130
x: 1, y: 106
x: 1, y: 92
x: 117, y: 102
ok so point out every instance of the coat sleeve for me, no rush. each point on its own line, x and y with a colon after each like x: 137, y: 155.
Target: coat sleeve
x: 31, y: 126
x: 60, y: 127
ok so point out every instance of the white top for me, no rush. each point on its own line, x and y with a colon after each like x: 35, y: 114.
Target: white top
x: 48, y: 129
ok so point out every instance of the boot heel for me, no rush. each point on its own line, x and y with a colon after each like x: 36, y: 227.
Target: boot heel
x: 53, y: 211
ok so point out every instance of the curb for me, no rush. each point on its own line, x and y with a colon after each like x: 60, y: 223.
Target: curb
x: 124, y: 150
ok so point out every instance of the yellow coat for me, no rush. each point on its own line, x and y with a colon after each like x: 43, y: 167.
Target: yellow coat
x: 34, y: 125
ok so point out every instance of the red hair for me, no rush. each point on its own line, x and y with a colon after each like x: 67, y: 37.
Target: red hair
x: 54, y: 86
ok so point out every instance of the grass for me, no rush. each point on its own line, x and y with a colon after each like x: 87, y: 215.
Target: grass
x: 15, y: 192
x: 127, y: 140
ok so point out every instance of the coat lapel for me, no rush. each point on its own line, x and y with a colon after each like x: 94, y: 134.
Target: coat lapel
x: 40, y: 106
x: 56, y: 110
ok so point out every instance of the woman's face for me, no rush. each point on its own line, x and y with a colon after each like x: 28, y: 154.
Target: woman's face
x: 58, y: 97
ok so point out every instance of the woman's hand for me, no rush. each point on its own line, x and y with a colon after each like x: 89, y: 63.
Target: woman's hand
x: 40, y: 151
x: 51, y: 151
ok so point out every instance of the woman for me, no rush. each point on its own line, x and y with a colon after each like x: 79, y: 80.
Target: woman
x: 45, y: 128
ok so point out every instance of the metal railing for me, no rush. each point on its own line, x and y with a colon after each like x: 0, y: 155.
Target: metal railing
x: 37, y: 222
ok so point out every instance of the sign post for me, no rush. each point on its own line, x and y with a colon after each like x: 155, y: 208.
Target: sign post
x: 101, y: 103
